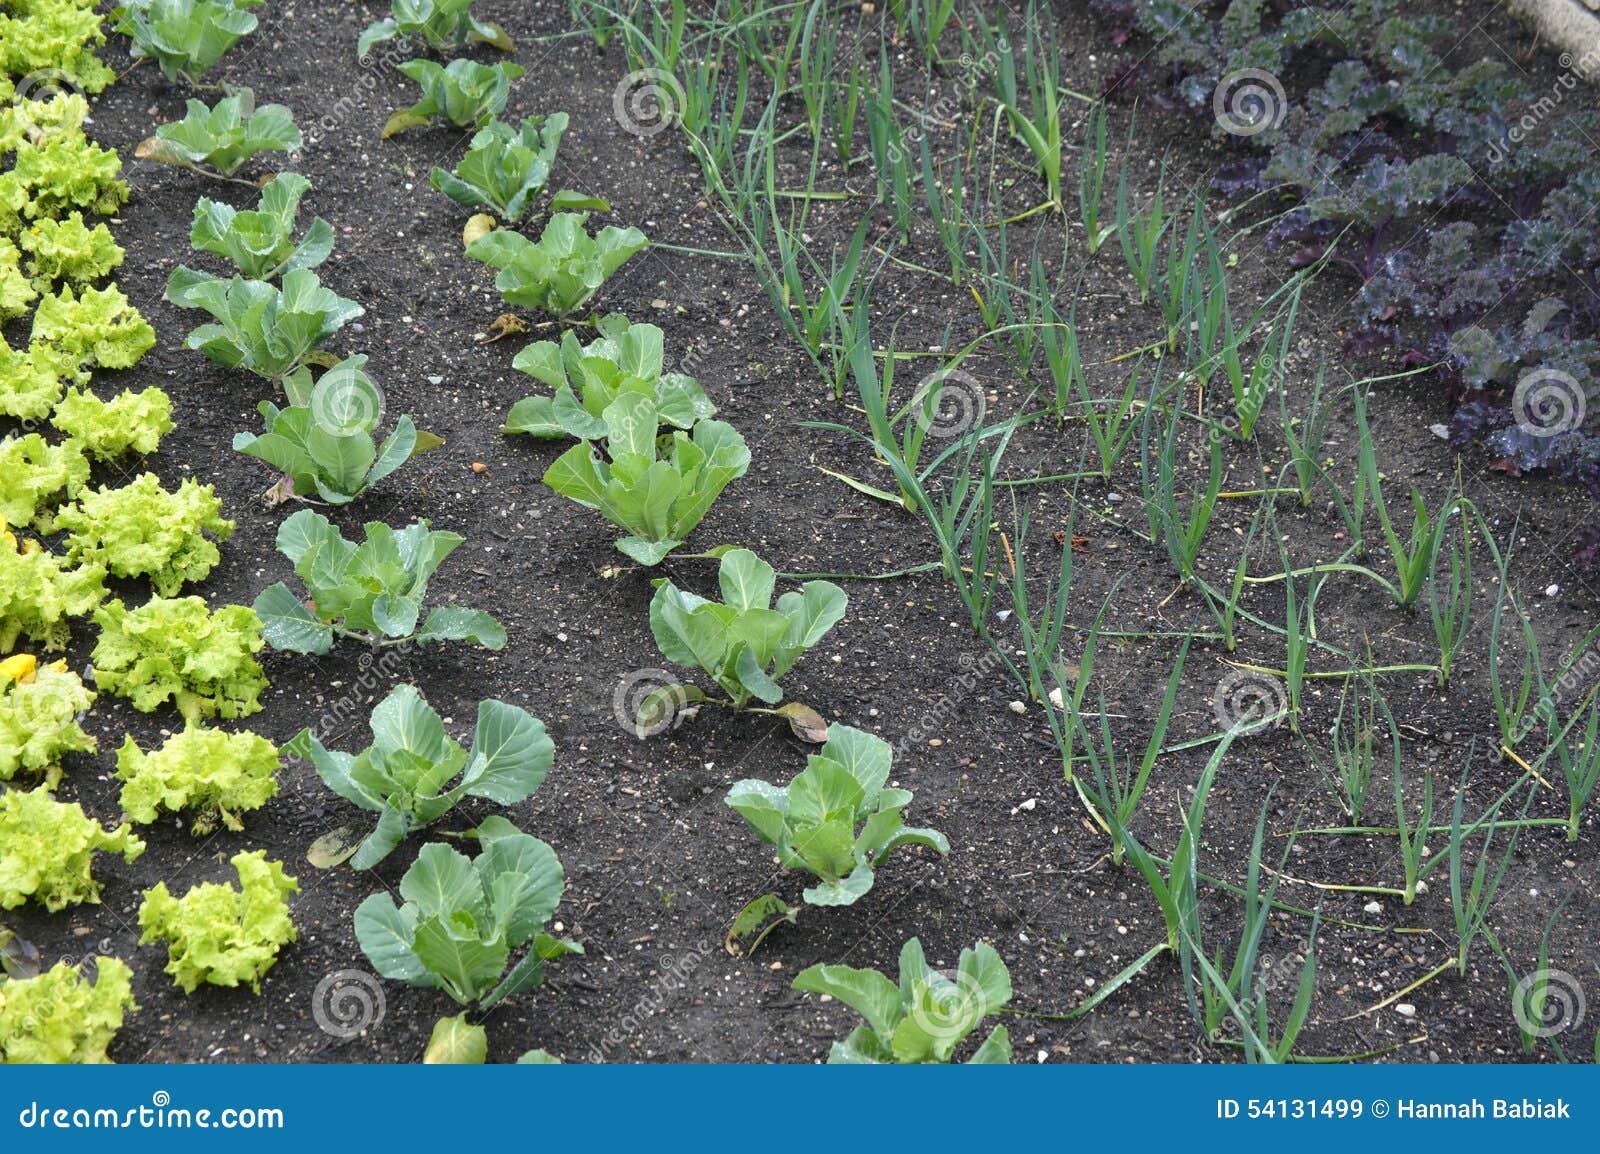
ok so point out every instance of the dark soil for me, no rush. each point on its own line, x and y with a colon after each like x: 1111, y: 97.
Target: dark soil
x: 656, y: 864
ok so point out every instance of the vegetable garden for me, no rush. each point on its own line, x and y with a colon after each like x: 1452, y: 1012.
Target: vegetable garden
x: 649, y: 531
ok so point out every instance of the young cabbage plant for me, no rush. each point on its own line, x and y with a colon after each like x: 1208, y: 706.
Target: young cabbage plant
x: 741, y: 641
x: 835, y: 820
x: 656, y: 490
x: 923, y: 1018
x: 627, y: 359
x: 185, y: 37
x: 505, y: 168
x: 414, y: 772
x: 464, y: 93
x: 221, y: 139
x: 262, y: 327
x: 260, y: 242
x: 562, y: 271
x: 462, y: 917
x: 438, y: 24
x: 372, y: 591
x: 323, y: 443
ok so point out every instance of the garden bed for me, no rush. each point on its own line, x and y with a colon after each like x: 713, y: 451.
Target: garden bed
x: 657, y: 865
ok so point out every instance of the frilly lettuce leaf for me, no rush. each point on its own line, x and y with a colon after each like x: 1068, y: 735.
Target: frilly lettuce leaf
x: 94, y: 327
x: 34, y: 476
x: 219, y: 774
x: 60, y: 1017
x: 39, y: 708
x: 176, y: 650
x: 142, y: 530
x: 38, y: 593
x: 222, y: 934
x: 47, y: 848
x: 105, y: 430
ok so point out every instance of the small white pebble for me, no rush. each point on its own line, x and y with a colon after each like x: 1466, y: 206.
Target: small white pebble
x: 1373, y: 907
x: 1552, y: 590
x: 1017, y: 707
x: 1406, y: 1010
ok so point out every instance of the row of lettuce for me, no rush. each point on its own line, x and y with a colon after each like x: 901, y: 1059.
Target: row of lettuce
x: 650, y: 457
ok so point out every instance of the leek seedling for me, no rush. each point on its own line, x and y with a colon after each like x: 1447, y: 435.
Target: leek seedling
x: 1413, y: 562
x: 1450, y: 605
x: 1470, y: 905
x: 1354, y: 742
x: 947, y: 207
x: 1040, y: 128
x: 1092, y: 177
x: 1530, y: 993
x: 1413, y: 838
x: 1119, y: 780
x: 1181, y: 532
x: 1175, y: 891
x: 1305, y: 447
x: 1140, y: 234
x: 1511, y: 695
x: 1579, y: 755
